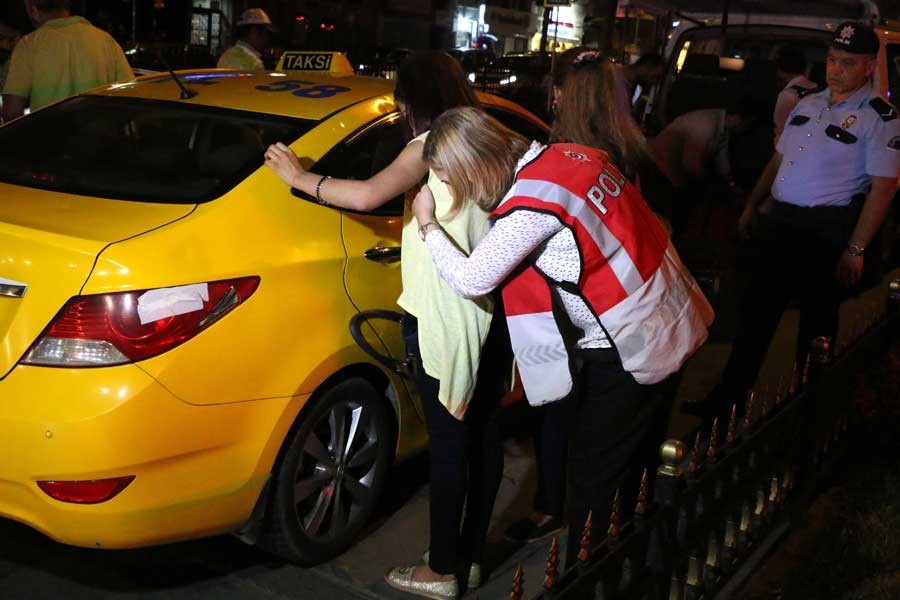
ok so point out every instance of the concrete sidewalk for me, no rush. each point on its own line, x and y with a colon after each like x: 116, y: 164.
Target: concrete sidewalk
x: 403, y: 537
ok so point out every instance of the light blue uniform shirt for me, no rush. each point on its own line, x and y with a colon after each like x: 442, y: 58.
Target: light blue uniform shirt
x: 830, y: 150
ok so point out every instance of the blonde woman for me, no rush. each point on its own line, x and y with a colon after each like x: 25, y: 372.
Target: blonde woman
x: 460, y: 347
x: 600, y: 310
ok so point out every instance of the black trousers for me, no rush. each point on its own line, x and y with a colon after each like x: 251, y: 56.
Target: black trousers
x: 551, y: 442
x: 615, y: 428
x: 466, y: 457
x: 798, y: 253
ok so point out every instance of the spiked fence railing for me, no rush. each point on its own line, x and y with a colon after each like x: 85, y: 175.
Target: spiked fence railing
x: 714, y: 504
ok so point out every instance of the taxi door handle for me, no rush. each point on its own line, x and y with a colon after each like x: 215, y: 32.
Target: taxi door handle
x: 383, y: 254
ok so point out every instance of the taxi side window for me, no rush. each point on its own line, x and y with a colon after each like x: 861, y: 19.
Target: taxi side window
x: 140, y: 150
x: 366, y: 153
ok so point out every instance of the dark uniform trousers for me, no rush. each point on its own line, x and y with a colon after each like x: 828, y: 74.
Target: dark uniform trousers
x: 616, y: 426
x: 799, y: 249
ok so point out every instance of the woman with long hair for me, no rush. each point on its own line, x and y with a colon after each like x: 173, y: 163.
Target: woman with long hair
x: 600, y: 309
x: 460, y: 347
x: 587, y: 111
x: 592, y: 103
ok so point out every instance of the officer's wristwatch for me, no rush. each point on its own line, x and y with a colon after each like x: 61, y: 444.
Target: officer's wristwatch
x: 855, y: 250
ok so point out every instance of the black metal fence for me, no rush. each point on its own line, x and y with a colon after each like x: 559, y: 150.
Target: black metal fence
x: 715, y: 503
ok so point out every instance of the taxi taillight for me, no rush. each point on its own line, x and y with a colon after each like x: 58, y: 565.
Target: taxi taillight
x: 85, y: 492
x: 106, y: 329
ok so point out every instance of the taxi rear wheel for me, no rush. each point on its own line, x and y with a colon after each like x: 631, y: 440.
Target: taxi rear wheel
x: 331, y: 474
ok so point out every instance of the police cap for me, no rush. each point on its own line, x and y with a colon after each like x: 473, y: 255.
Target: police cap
x: 855, y: 38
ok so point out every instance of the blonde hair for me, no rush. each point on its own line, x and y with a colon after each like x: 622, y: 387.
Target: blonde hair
x: 478, y: 154
x: 587, y: 113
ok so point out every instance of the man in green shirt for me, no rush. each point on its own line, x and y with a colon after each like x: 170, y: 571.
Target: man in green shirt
x: 65, y: 55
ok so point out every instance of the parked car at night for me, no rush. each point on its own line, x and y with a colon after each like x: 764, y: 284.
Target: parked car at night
x: 522, y: 77
x: 472, y: 60
x: 378, y: 62
x: 175, y: 360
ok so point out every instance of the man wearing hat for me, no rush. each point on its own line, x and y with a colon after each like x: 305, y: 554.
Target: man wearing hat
x: 254, y: 35
x: 833, y: 177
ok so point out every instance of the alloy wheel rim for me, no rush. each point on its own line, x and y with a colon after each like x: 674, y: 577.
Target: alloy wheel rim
x: 336, y: 470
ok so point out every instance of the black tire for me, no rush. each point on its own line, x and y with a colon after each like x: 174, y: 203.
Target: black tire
x: 321, y: 500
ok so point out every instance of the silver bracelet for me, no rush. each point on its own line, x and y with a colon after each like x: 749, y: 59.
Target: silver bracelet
x: 319, y: 189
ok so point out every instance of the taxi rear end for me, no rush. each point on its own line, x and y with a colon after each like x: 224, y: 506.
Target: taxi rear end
x: 131, y: 419
x: 69, y: 439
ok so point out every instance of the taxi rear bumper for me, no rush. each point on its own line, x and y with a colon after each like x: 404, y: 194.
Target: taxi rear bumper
x: 198, y: 470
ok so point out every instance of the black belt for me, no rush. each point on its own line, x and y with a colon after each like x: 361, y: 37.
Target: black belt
x: 834, y: 223
x: 785, y: 211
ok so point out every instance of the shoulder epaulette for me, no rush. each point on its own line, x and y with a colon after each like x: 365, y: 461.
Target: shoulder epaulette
x: 802, y: 92
x: 883, y: 108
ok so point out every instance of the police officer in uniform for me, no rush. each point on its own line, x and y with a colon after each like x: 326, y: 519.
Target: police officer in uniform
x: 833, y: 177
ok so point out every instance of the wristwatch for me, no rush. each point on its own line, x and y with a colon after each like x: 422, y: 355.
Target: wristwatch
x: 855, y: 250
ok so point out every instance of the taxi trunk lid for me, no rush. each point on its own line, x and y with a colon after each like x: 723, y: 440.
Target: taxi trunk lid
x: 48, y: 244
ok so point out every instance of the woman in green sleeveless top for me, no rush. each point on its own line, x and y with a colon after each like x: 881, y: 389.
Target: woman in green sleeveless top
x: 461, y: 379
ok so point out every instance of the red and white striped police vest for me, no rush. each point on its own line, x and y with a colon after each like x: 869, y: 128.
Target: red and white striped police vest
x: 631, y: 276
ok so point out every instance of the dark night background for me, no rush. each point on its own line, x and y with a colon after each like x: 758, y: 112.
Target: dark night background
x: 115, y: 16
x: 164, y: 20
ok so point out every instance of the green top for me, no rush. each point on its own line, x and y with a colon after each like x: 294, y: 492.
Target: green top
x: 62, y: 58
x: 452, y: 329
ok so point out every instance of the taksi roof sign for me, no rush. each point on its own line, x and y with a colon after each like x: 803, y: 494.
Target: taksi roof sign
x: 322, y: 62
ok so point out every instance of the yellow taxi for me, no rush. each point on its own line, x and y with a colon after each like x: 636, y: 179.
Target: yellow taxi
x: 175, y: 359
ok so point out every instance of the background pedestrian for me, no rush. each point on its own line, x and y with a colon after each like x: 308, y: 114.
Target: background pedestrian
x: 791, y: 73
x: 694, y: 150
x: 646, y: 72
x: 65, y: 55
x: 253, y: 32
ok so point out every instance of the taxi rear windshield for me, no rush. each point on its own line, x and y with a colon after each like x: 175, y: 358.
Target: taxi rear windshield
x: 140, y: 150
